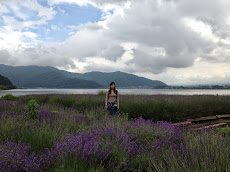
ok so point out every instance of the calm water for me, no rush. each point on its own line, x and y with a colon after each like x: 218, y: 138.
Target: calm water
x: 18, y: 92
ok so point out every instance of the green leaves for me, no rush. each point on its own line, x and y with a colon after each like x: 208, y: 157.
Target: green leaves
x: 9, y: 97
x: 31, y: 108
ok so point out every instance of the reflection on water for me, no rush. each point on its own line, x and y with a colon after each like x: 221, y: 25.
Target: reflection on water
x: 18, y: 92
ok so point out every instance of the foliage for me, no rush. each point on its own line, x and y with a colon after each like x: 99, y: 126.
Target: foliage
x: 101, y: 92
x: 3, y: 87
x: 31, y: 109
x: 7, y: 87
x: 9, y: 97
x: 225, y: 131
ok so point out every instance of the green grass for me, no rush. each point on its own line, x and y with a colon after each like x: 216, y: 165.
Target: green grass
x: 171, y: 108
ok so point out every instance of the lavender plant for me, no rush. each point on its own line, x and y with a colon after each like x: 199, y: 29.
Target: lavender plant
x: 17, y: 157
x: 93, y: 141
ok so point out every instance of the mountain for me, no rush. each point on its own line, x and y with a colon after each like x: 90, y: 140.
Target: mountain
x: 5, y: 81
x: 120, y: 78
x: 50, y: 77
x: 54, y: 79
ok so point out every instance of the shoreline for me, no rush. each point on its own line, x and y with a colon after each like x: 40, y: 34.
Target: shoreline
x: 140, y: 92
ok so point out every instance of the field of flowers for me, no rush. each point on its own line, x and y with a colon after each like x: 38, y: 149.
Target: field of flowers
x: 73, y: 133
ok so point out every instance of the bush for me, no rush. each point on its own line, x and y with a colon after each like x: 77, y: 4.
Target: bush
x: 101, y: 92
x: 225, y: 131
x: 12, y: 87
x: 9, y: 97
x: 31, y: 108
x: 3, y: 87
x: 7, y: 87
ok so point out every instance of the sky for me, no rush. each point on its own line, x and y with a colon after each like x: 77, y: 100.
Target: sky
x: 179, y: 42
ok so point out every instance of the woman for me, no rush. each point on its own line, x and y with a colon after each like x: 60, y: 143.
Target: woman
x: 112, y: 100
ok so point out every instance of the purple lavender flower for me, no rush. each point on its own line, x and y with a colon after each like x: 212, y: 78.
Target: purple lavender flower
x: 6, y: 105
x: 154, y: 135
x: 18, y: 157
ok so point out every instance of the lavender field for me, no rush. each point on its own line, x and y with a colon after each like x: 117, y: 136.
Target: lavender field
x: 73, y: 133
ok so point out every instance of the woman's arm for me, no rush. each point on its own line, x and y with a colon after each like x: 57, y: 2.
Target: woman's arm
x: 117, y: 100
x: 106, y: 99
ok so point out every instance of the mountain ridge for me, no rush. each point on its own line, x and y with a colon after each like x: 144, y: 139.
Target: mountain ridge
x: 37, y: 76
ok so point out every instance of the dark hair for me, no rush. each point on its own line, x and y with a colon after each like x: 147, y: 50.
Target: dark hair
x: 110, y: 86
x: 115, y: 91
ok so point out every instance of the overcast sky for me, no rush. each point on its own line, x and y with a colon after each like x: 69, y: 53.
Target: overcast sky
x: 179, y: 42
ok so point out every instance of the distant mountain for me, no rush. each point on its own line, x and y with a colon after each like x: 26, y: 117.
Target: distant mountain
x: 50, y: 77
x: 120, y: 78
x: 47, y: 77
x: 54, y: 79
x: 5, y: 81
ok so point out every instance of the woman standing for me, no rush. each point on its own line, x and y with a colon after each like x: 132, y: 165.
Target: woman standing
x: 112, y: 100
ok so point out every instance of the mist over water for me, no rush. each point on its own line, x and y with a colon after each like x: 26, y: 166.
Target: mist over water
x: 19, y: 92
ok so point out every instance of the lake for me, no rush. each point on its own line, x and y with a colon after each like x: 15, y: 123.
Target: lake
x: 19, y: 92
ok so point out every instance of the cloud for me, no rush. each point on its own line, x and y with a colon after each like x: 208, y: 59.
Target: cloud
x: 161, y: 37
x: 22, y: 10
x: 5, y: 57
x: 180, y: 44
x: 47, y: 55
x: 3, y: 9
x: 97, y: 3
x: 202, y: 72
x: 91, y: 41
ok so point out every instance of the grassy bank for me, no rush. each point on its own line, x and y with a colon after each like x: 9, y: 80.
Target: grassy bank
x: 170, y: 108
x: 73, y: 133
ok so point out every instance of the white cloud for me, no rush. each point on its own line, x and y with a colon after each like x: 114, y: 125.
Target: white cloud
x: 21, y: 8
x: 31, y: 35
x: 3, y: 9
x: 172, y: 40
x: 202, y: 72
x: 98, y: 3
x: 78, y: 2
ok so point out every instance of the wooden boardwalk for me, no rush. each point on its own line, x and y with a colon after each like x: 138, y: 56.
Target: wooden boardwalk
x: 205, y: 122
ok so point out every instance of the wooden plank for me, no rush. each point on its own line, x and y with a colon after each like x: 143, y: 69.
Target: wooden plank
x: 182, y: 123
x: 223, y: 116
x: 224, y: 121
x: 206, y: 118
x: 198, y: 125
x: 210, y: 126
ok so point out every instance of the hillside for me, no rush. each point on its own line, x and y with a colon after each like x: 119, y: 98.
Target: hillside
x: 58, y: 80
x: 50, y: 77
x: 120, y: 78
x: 46, y: 77
x: 5, y: 83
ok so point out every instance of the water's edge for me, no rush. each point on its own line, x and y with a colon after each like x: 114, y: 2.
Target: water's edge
x: 20, y: 92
